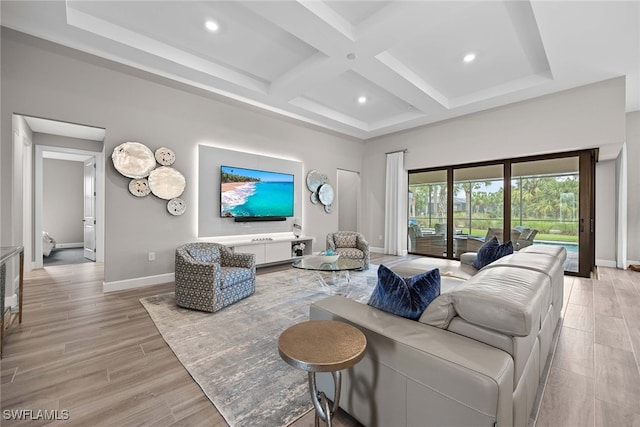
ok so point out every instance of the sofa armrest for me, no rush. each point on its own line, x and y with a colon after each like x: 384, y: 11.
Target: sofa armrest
x: 468, y: 258
x: 465, y: 377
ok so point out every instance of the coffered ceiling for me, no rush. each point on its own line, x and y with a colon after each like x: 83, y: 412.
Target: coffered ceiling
x: 362, y: 68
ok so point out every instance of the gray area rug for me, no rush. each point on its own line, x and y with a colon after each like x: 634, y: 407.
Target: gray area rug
x: 233, y: 354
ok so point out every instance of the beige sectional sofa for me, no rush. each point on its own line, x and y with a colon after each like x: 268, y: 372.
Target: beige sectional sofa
x: 474, y: 358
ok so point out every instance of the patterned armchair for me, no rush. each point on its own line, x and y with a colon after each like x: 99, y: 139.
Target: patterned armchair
x: 210, y: 276
x: 350, y: 244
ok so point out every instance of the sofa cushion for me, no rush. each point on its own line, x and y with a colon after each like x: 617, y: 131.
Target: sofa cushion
x: 406, y: 297
x: 447, y: 267
x: 505, y: 299
x: 230, y: 276
x: 491, y: 251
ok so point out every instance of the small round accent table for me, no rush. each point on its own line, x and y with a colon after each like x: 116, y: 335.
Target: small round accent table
x: 322, y: 346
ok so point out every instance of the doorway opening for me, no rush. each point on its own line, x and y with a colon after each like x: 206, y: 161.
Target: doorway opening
x: 67, y: 183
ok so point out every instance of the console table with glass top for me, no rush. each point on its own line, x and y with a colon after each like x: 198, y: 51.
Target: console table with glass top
x: 6, y: 253
x: 340, y: 267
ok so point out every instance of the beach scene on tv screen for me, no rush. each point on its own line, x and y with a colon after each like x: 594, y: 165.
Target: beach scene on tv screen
x: 255, y: 193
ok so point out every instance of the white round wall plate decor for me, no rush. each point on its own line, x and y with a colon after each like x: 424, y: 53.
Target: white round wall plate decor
x: 165, y: 156
x: 139, y: 187
x: 176, y: 206
x: 315, y: 179
x: 166, y: 183
x: 314, y: 198
x: 325, y: 194
x: 133, y: 160
x: 328, y: 208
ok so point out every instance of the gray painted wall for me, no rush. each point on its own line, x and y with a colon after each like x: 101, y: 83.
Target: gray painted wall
x: 62, y: 200
x: 46, y: 80
x: 586, y: 117
x: 633, y: 183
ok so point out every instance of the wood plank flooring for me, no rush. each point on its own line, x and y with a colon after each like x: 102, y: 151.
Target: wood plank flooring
x: 100, y: 357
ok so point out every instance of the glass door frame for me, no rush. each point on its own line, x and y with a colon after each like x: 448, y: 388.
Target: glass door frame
x: 586, y: 232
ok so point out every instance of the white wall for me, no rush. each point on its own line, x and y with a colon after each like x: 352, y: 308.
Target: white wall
x: 586, y: 117
x: 62, y: 200
x: 633, y: 183
x: 46, y: 80
x: 606, y: 213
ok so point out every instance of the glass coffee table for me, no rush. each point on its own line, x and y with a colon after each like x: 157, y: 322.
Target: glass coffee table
x: 338, y: 271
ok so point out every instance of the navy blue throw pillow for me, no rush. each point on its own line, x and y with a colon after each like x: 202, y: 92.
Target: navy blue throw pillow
x: 407, y: 297
x: 491, y: 251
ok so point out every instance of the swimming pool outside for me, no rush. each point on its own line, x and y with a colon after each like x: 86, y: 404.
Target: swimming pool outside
x: 570, y: 247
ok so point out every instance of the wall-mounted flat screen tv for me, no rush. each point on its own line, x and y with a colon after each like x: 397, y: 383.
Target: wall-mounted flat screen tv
x: 251, y: 193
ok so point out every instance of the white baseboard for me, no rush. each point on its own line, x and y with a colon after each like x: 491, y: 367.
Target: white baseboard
x: 606, y: 263
x: 376, y: 250
x: 138, y: 282
x: 69, y: 245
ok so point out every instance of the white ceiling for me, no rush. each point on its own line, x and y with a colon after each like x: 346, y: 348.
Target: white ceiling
x: 291, y: 57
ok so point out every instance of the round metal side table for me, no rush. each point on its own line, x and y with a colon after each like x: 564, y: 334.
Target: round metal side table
x: 322, y: 346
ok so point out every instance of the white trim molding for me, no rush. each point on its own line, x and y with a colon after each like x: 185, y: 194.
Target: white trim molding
x: 138, y: 282
x: 607, y: 263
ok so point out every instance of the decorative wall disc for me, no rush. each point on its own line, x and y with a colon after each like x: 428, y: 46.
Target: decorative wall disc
x: 176, y: 206
x: 325, y: 194
x: 314, y: 180
x: 314, y: 198
x: 165, y: 156
x: 328, y: 208
x: 139, y: 187
x: 133, y: 160
x: 166, y: 182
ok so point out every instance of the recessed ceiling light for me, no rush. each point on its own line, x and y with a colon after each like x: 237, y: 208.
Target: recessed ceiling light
x: 362, y: 99
x: 351, y: 56
x: 469, y: 57
x: 212, y: 26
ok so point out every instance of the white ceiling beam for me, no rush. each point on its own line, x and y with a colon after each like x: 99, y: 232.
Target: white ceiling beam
x: 303, y: 23
x: 329, y: 113
x: 411, y: 78
x: 331, y: 17
x: 122, y: 35
x: 312, y: 72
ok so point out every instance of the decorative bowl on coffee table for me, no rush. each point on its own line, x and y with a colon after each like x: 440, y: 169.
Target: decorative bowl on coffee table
x: 328, y: 258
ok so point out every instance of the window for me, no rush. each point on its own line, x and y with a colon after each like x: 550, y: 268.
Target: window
x: 535, y: 200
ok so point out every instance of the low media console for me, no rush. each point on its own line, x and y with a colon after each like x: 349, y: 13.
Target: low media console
x: 273, y: 248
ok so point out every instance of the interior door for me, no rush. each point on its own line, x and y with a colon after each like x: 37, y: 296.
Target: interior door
x: 348, y: 196
x: 89, y: 219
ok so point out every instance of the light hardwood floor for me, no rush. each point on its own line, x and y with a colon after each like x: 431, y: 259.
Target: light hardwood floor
x: 100, y: 357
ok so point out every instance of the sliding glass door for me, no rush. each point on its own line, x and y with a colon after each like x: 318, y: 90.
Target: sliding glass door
x: 545, y: 204
x: 478, y: 206
x: 536, y: 200
x: 428, y: 213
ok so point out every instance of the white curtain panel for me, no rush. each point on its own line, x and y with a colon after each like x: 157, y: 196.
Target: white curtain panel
x: 395, y: 212
x: 621, y: 228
